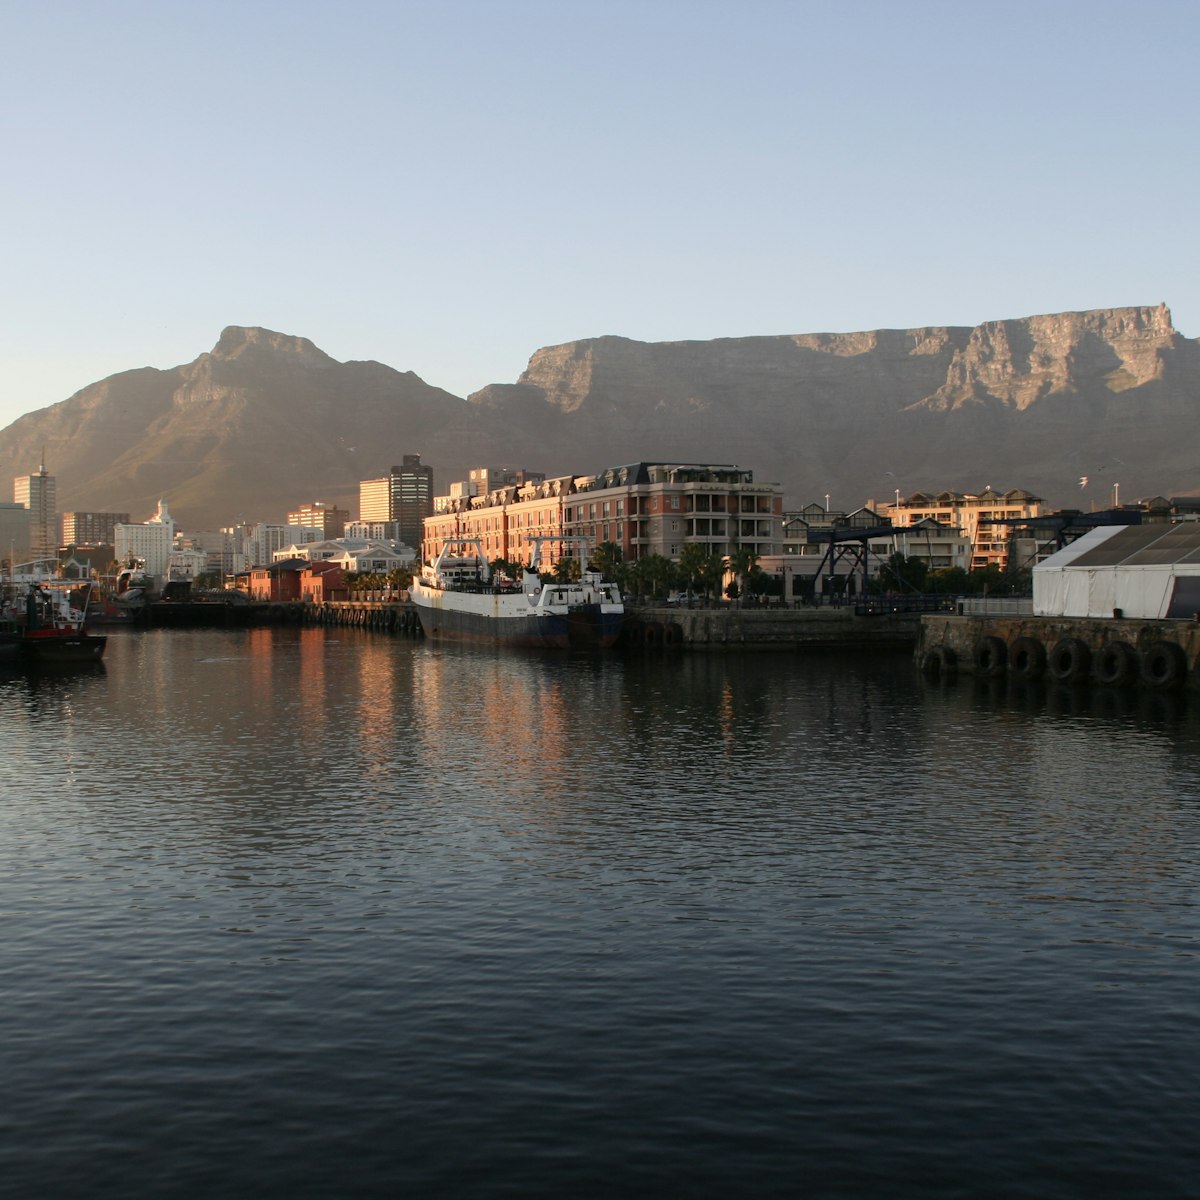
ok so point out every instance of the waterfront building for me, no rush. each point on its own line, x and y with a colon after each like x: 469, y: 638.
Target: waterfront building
x: 376, y: 557
x: 37, y: 492
x: 328, y: 518
x: 482, y: 480
x: 278, y: 582
x: 404, y: 495
x: 323, y: 581
x: 337, y: 549
x: 940, y: 547
x: 91, y: 528
x: 150, y: 543
x: 969, y: 513
x: 643, y: 508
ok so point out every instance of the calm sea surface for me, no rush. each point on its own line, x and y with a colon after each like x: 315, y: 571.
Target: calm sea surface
x: 312, y: 913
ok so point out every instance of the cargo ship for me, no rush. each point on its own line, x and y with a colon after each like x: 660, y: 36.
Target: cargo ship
x: 459, y: 598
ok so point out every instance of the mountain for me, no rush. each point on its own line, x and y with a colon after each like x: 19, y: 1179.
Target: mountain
x: 266, y: 421
x: 1036, y: 403
x: 261, y: 424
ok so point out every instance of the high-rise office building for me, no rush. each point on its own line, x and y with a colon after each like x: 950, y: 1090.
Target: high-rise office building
x: 38, y: 493
x: 91, y: 528
x: 403, y: 495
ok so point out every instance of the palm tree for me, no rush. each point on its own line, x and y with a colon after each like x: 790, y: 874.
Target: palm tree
x: 606, y: 559
x: 741, y: 562
x: 692, y: 560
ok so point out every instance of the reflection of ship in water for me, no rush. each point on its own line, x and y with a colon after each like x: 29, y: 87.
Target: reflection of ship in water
x: 41, y: 625
x: 458, y: 598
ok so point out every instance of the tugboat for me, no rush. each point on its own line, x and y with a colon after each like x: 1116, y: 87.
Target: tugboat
x: 43, y: 628
x: 457, y: 598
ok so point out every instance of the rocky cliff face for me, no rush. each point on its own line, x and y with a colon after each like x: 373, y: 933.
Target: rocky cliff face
x: 1036, y: 403
x: 266, y: 421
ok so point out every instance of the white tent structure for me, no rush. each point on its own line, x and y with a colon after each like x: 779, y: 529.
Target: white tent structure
x: 1143, y: 571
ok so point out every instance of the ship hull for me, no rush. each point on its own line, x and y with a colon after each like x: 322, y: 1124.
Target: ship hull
x: 510, y: 620
x: 61, y: 649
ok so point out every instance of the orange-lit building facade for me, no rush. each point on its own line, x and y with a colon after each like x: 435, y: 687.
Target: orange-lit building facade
x: 963, y: 511
x: 643, y: 508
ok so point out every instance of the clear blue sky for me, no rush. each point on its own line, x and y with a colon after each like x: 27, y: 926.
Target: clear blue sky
x: 446, y: 186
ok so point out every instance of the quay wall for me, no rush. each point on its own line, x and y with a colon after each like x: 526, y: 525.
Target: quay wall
x: 654, y: 628
x: 1155, y: 654
x: 768, y: 629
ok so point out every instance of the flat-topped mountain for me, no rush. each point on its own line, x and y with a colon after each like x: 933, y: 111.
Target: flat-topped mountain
x: 266, y: 421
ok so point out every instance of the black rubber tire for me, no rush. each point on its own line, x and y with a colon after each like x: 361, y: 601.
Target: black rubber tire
x: 990, y: 657
x: 1070, y: 661
x: 1026, y: 658
x: 939, y: 663
x: 1163, y: 665
x: 1116, y: 664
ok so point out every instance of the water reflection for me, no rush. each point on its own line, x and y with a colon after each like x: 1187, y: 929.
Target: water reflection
x: 728, y: 921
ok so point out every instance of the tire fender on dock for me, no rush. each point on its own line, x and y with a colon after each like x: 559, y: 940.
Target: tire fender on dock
x: 1070, y: 661
x: 940, y: 662
x: 1026, y: 658
x: 990, y: 657
x: 1116, y: 664
x: 1163, y: 665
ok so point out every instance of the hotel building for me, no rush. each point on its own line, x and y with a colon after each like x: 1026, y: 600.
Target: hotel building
x: 643, y: 508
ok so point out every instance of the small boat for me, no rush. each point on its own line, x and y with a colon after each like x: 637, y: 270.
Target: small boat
x: 457, y: 598
x: 43, y: 627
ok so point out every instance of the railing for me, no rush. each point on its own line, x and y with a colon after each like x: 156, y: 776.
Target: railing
x: 924, y: 603
x: 995, y: 606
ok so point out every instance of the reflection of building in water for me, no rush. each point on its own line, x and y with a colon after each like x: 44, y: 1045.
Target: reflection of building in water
x: 515, y: 720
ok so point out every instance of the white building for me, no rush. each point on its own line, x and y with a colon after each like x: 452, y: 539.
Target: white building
x: 334, y: 549
x: 258, y: 543
x: 151, y: 543
x: 374, y: 531
x: 376, y: 557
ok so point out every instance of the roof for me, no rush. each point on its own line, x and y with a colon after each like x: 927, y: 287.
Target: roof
x: 1132, y: 546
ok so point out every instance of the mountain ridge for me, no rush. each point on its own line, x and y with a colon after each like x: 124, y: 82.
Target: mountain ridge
x: 266, y: 420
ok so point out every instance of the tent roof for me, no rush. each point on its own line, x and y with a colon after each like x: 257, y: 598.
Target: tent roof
x: 1132, y: 546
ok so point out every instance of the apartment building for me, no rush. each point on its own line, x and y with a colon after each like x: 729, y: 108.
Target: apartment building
x: 643, y: 508
x: 968, y: 512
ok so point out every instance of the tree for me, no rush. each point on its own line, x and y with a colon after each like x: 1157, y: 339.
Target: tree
x: 607, y: 559
x: 506, y: 567
x: 566, y: 570
x: 711, y: 573
x: 691, y: 566
x: 901, y: 574
x: 741, y: 562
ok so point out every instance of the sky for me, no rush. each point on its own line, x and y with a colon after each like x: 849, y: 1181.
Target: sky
x: 447, y: 185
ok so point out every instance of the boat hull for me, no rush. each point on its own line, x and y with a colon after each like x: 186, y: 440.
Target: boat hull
x: 510, y: 620
x: 63, y: 650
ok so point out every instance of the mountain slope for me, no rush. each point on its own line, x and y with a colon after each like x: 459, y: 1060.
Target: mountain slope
x: 266, y: 421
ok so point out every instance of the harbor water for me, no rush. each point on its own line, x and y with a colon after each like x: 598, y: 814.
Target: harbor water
x: 308, y: 912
